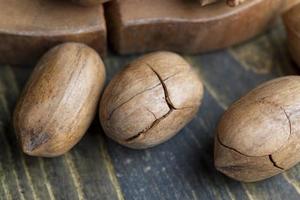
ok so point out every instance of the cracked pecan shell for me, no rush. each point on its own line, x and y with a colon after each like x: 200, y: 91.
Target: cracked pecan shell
x: 59, y: 101
x: 258, y: 136
x: 150, y: 100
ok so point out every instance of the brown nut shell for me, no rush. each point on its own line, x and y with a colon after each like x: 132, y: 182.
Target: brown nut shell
x: 150, y: 100
x: 291, y: 20
x: 258, y: 136
x: 59, y: 101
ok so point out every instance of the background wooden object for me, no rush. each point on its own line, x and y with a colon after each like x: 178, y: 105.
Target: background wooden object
x: 291, y: 20
x: 137, y: 26
x: 182, y: 168
x: 30, y: 27
x: 288, y: 4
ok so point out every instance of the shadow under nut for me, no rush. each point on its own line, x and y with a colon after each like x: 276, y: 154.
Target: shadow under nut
x: 150, y: 100
x: 258, y: 136
x: 89, y: 2
x: 59, y: 101
x: 291, y: 20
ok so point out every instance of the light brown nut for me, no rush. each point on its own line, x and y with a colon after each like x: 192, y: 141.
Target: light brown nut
x: 59, y: 101
x: 259, y: 135
x: 89, y: 2
x: 150, y: 100
x: 291, y: 20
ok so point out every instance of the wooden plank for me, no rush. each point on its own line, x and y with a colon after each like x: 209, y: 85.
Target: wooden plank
x: 181, y: 168
x: 264, y: 189
x: 241, y: 81
x: 266, y: 53
x: 15, y: 176
x: 81, y: 174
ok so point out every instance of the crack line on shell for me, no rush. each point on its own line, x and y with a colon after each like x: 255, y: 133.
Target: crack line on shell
x: 274, y: 162
x: 235, y: 150
x: 151, y: 113
x: 167, y: 98
x: 289, y: 120
x: 154, y: 123
x: 151, y: 126
x: 169, y: 103
x: 263, y: 100
x: 148, y: 89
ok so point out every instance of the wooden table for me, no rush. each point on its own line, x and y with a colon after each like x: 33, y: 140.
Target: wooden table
x: 182, y: 168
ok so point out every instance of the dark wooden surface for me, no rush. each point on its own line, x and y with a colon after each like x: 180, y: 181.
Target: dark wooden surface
x: 182, y: 168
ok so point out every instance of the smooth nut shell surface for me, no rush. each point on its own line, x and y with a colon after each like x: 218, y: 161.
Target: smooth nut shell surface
x: 59, y: 101
x: 150, y: 100
x: 258, y: 136
x: 291, y: 20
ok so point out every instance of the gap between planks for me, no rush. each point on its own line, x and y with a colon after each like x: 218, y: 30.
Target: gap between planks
x: 74, y: 174
x: 45, y: 177
x: 110, y: 168
x: 70, y: 164
x: 3, y: 102
x: 295, y: 184
x: 224, y: 105
x: 11, y: 77
x: 4, y: 186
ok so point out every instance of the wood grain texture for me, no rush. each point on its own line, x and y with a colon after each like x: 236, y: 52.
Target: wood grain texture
x: 84, y: 173
x: 28, y: 28
x: 180, y: 169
